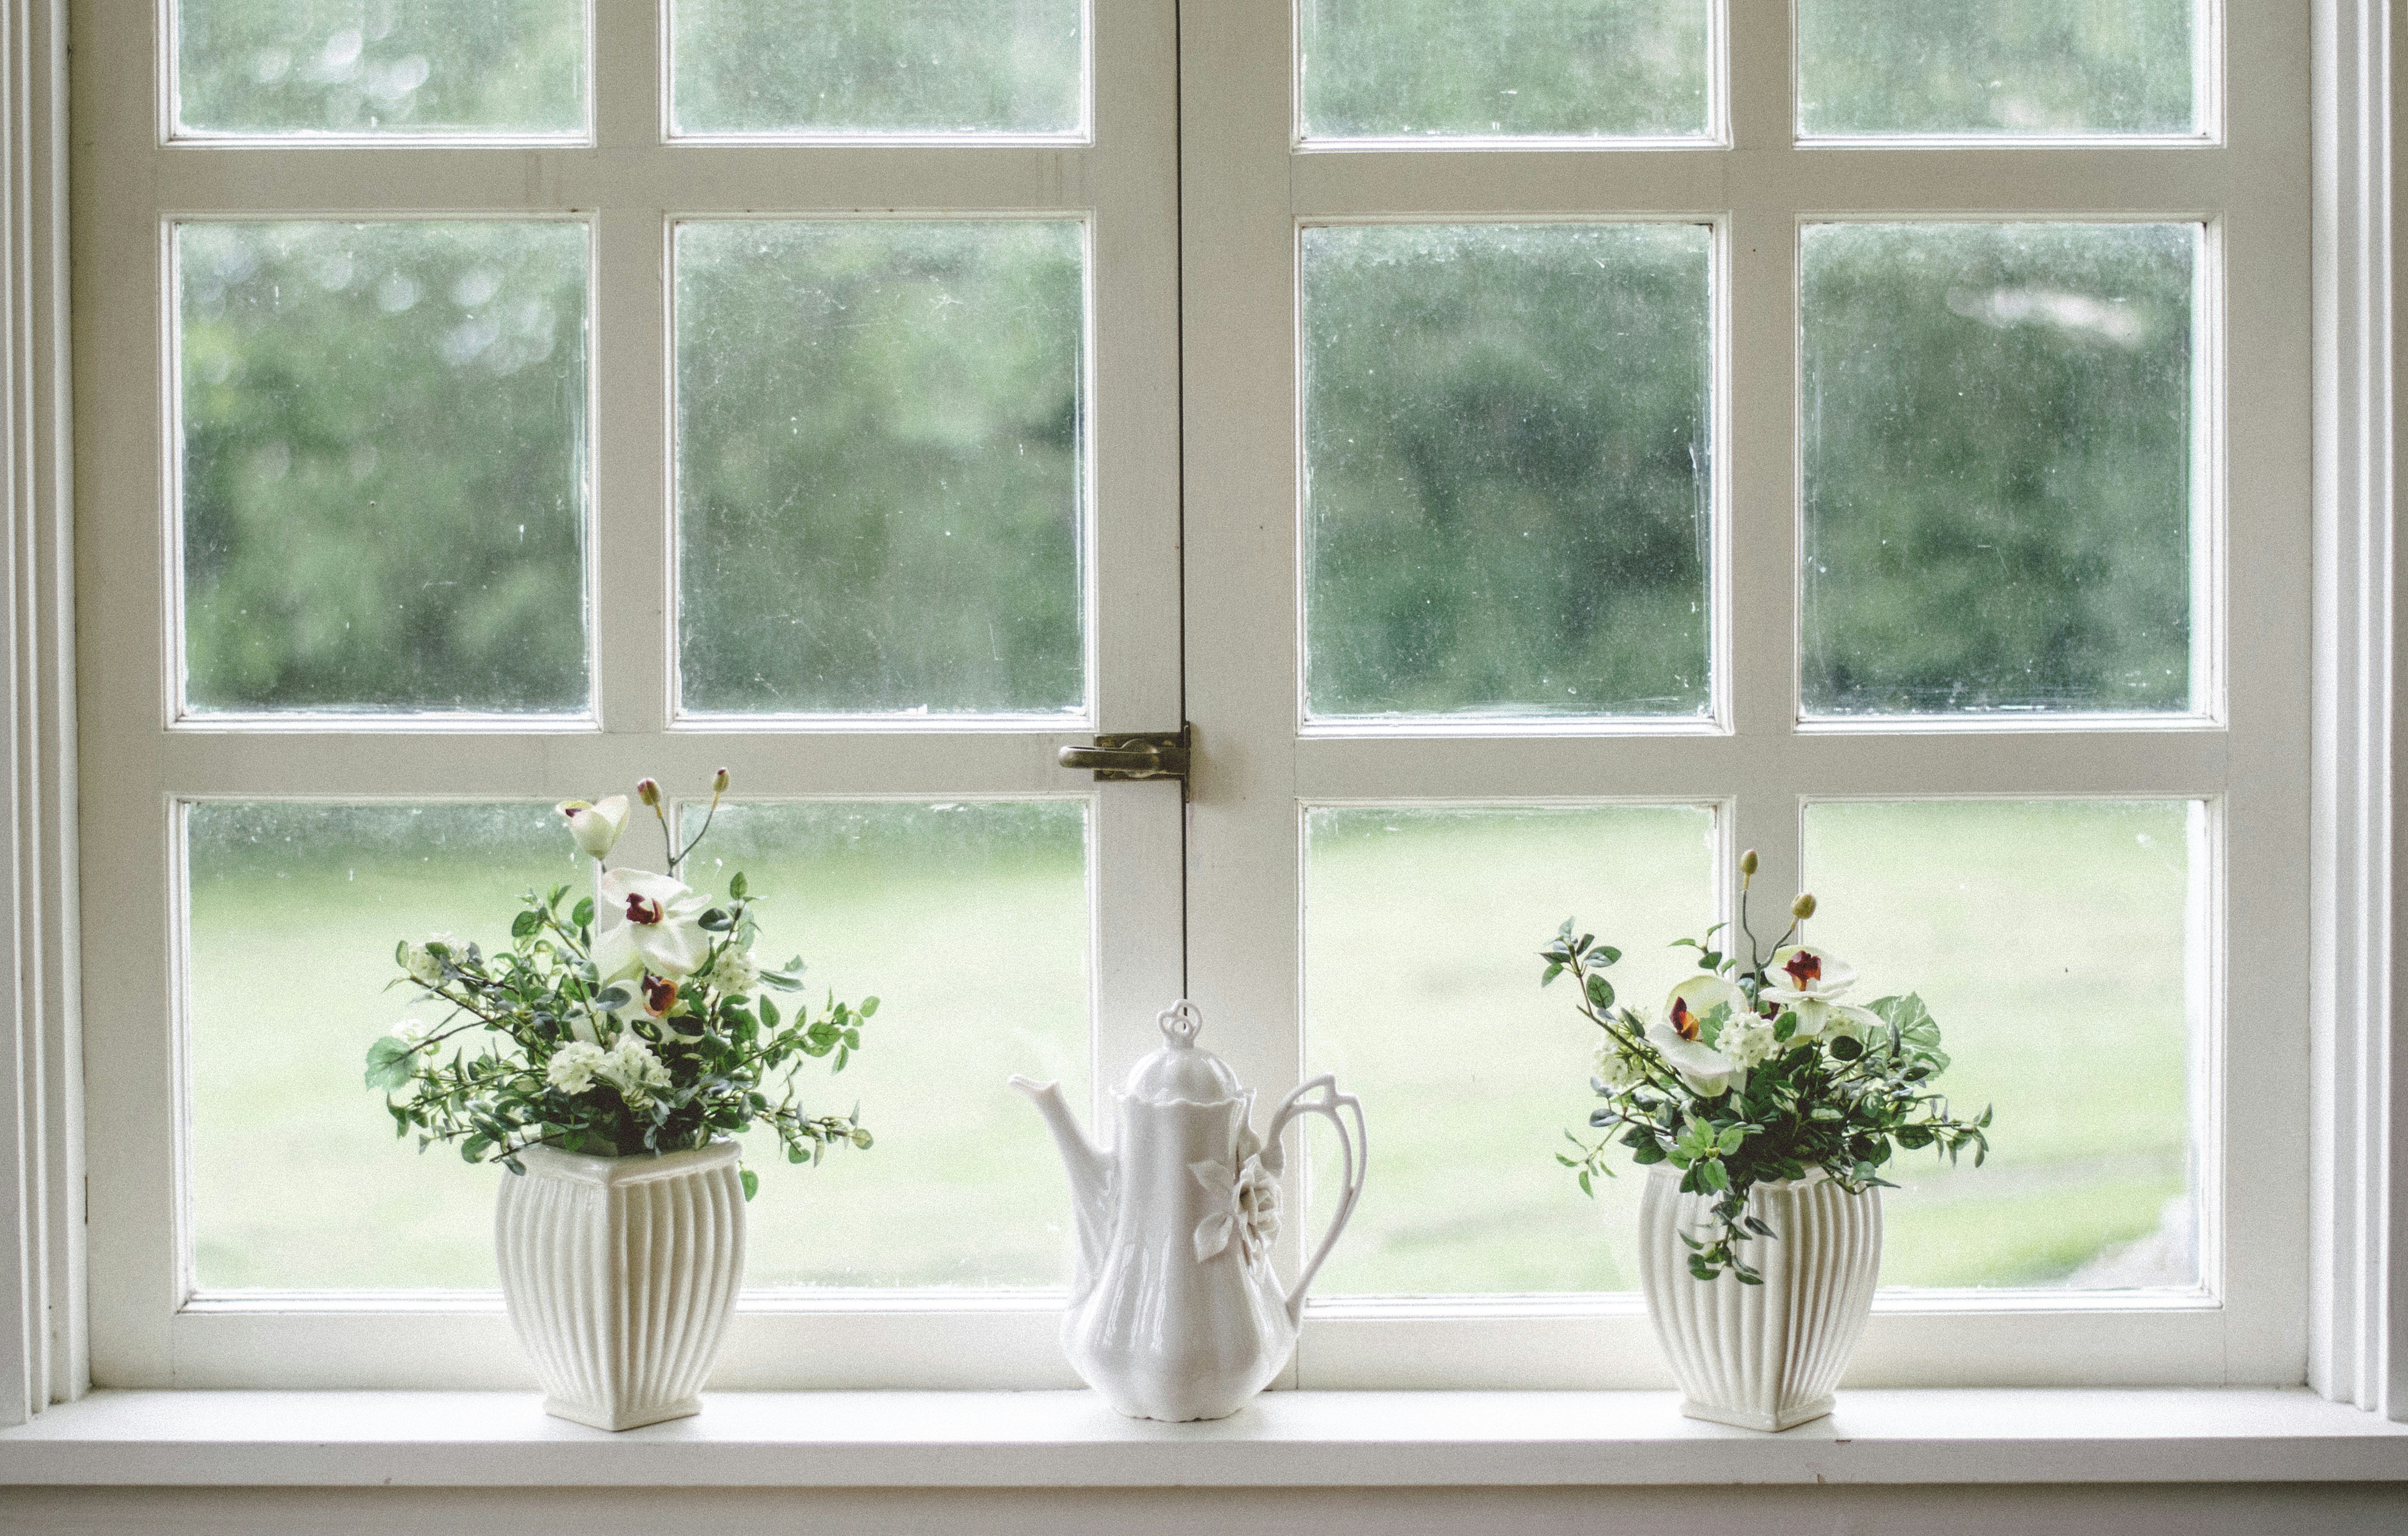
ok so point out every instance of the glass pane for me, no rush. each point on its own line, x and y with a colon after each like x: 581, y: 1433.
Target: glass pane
x: 879, y: 472
x: 1504, y: 69
x: 1998, y: 452
x: 968, y: 922
x: 2057, y: 944
x: 1422, y: 933
x: 2022, y: 68
x: 875, y: 67
x: 381, y: 66
x: 298, y: 1181
x: 296, y: 909
x: 383, y: 466
x: 1507, y: 490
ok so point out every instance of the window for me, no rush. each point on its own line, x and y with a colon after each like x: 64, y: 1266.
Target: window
x: 1581, y: 442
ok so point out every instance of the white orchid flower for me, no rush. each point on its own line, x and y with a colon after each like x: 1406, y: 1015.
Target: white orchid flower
x: 1809, y: 981
x: 648, y: 923
x: 1705, y: 1069
x: 1698, y: 996
x: 596, y: 824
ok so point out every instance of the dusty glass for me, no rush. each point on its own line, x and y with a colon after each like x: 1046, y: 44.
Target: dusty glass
x: 969, y: 920
x: 1999, y: 437
x: 1422, y: 931
x: 2060, y: 945
x: 1504, y: 69
x: 294, y: 913
x: 1508, y: 499
x: 383, y: 470
x: 2010, y: 69
x: 880, y: 465
x: 295, y: 67
x: 871, y: 67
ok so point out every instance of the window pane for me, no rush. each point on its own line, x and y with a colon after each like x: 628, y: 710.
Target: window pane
x: 2025, y: 69
x: 968, y: 921
x: 375, y: 67
x: 2057, y: 943
x: 297, y: 1179
x: 294, y: 913
x: 879, y: 474
x: 1507, y: 490
x: 874, y: 68
x: 1998, y: 452
x: 1503, y: 69
x: 1422, y: 933
x: 383, y: 466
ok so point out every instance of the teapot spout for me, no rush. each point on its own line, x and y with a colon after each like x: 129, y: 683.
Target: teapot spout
x: 1090, y: 1170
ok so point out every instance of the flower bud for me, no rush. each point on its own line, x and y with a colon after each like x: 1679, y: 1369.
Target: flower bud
x: 1803, y: 908
x: 719, y: 782
x: 1747, y: 862
x: 649, y: 791
x: 596, y: 827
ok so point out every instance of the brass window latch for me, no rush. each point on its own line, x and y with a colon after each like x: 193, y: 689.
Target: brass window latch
x: 1120, y: 757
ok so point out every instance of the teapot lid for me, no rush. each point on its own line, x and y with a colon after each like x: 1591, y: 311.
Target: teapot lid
x: 1181, y: 1072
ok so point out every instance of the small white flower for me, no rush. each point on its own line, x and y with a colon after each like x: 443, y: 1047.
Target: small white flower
x: 573, y: 1067
x: 1614, y: 1068
x: 1748, y: 1041
x: 596, y: 824
x: 421, y: 961
x: 736, y: 975
x: 410, y: 1031
x: 631, y: 1068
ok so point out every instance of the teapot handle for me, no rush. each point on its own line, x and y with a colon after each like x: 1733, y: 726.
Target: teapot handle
x: 1356, y: 1147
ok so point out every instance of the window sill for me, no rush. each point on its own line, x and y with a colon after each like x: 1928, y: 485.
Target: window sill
x: 997, y: 1440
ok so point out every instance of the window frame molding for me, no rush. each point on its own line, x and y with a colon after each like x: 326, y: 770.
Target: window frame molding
x: 2356, y: 1309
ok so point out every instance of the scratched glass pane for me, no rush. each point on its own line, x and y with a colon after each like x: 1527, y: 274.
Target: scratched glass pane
x: 874, y: 68
x: 1507, y: 499
x: 880, y: 463
x: 298, y: 67
x: 1422, y: 931
x: 383, y: 466
x: 1504, y: 69
x: 294, y: 910
x: 1998, y: 441
x: 2059, y: 945
x: 2016, y: 68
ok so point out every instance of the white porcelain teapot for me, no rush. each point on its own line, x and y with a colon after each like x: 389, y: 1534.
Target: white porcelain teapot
x: 1175, y: 1310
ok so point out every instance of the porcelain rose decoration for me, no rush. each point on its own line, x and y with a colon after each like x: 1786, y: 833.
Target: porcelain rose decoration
x: 1252, y: 1217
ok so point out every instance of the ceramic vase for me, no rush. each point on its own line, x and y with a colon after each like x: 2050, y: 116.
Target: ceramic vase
x: 620, y: 1274
x: 1762, y: 1357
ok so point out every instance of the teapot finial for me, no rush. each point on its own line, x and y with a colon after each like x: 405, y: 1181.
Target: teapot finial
x: 1180, y: 1023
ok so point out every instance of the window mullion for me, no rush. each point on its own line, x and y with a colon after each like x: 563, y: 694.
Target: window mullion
x: 631, y: 521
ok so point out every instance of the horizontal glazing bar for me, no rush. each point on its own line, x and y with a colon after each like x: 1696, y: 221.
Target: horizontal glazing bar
x: 370, y: 765
x: 729, y: 178
x: 1657, y: 768
x: 2119, y: 181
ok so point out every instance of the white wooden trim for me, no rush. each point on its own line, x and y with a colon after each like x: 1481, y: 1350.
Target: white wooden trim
x: 42, y: 1341
x: 2358, y: 1293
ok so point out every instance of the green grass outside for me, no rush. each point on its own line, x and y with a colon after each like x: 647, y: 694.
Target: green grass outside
x: 2048, y: 939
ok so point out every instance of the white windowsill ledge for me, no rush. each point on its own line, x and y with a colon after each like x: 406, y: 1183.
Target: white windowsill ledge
x: 1285, y: 1439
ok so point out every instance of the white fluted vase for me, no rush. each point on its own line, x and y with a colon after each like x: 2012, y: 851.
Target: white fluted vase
x: 1762, y: 1357
x: 620, y: 1274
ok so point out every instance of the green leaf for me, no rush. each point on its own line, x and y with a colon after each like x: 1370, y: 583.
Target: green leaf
x: 391, y: 1063
x: 1601, y: 992
x: 751, y: 1179
x: 768, y: 1013
x: 736, y: 886
x: 525, y: 923
x: 581, y: 915
x: 1612, y: 955
x: 868, y: 1006
x: 1731, y: 1139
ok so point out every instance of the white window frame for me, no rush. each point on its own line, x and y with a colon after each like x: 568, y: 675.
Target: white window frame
x: 2351, y: 1313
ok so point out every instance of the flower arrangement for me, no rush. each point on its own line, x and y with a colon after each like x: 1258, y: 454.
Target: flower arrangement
x: 1758, y: 1072
x: 633, y: 1020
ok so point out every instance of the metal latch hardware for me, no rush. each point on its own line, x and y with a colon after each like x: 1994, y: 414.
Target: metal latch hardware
x: 1120, y: 757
